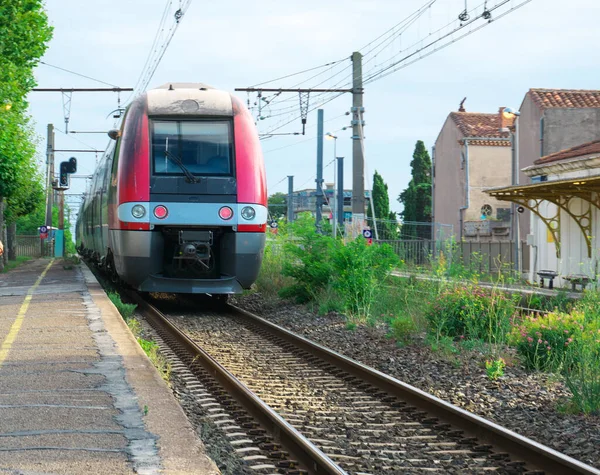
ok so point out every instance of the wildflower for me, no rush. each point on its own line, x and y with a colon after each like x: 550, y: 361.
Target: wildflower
x: 567, y: 331
x: 549, y: 348
x: 529, y: 339
x: 540, y: 341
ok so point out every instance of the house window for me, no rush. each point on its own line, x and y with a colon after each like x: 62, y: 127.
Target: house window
x: 503, y: 214
x: 486, y: 211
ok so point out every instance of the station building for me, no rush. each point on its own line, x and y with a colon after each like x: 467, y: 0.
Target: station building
x: 563, y: 196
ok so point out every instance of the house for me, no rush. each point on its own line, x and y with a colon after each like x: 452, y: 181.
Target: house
x: 563, y: 195
x: 473, y: 152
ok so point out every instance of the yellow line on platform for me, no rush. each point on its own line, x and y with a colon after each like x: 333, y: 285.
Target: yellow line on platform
x: 16, y: 326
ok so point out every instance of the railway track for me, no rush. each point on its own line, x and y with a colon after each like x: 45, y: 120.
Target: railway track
x: 292, y: 406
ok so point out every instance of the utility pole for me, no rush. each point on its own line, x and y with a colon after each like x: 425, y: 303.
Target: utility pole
x: 49, y: 174
x: 319, y: 180
x: 290, y: 203
x: 60, y: 237
x: 340, y: 198
x: 358, y: 159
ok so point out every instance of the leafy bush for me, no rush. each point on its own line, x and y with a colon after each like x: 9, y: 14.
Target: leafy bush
x: 308, y: 262
x: 358, y: 273
x: 337, y: 275
x: 582, y: 373
x: 471, y: 312
x: 543, y: 340
x: 403, y: 328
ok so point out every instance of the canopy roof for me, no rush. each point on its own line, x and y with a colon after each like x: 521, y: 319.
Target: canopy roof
x: 560, y: 193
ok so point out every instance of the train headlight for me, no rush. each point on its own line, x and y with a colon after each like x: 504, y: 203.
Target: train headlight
x: 248, y: 213
x: 225, y: 213
x: 161, y: 212
x: 138, y: 211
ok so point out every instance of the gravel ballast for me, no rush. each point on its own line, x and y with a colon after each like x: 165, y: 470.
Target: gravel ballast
x: 527, y: 403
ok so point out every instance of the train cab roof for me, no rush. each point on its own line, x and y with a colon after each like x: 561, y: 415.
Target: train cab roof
x: 188, y: 99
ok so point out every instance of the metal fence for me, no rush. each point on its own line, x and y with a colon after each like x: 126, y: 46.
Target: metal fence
x: 481, y: 257
x: 29, y: 246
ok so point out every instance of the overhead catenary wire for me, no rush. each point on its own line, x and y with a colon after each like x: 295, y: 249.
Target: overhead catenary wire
x: 160, y: 44
x: 77, y: 74
x: 398, y: 60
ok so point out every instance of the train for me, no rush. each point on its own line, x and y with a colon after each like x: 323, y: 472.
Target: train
x: 178, y: 202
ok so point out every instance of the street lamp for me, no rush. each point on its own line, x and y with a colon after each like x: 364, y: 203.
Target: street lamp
x: 330, y: 136
x: 510, y: 113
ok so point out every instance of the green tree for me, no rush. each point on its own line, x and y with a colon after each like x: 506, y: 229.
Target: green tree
x: 25, y: 32
x: 386, y: 219
x: 417, y: 197
x: 278, y: 205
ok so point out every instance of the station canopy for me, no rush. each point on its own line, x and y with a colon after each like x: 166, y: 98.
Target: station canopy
x: 561, y: 193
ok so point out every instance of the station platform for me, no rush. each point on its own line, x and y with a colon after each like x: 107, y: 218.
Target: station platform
x: 521, y: 289
x: 77, y: 393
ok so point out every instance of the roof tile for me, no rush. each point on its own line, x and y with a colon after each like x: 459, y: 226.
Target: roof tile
x: 475, y: 124
x: 567, y: 98
x: 588, y: 148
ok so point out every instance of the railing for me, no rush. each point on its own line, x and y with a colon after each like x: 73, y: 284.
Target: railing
x: 29, y: 246
x: 482, y: 257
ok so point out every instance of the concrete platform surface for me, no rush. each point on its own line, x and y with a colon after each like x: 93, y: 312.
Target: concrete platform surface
x: 77, y: 393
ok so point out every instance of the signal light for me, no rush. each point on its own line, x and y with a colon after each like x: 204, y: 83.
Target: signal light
x: 161, y: 212
x: 225, y: 213
x: 63, y: 180
x: 72, y: 165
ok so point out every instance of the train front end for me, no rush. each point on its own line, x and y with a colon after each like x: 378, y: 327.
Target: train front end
x: 190, y: 193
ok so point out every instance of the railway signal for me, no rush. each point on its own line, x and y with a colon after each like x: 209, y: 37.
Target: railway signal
x: 66, y: 168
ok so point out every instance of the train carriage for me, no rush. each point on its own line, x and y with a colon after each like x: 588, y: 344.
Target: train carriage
x: 179, y: 202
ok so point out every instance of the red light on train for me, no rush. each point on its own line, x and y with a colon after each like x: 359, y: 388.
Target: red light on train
x: 161, y: 212
x: 225, y: 213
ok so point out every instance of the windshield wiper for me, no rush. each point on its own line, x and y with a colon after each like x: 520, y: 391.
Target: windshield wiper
x: 177, y: 161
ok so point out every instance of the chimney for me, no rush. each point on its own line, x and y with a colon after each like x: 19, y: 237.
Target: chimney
x: 504, y: 122
x: 461, y: 108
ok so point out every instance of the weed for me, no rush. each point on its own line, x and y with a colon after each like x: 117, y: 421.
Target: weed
x: 158, y: 360
x: 495, y: 368
x: 471, y: 312
x: 135, y: 326
x: 402, y: 328
x: 125, y: 309
x: 351, y: 326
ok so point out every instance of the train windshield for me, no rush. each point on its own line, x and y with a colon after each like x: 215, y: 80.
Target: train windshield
x: 202, y: 147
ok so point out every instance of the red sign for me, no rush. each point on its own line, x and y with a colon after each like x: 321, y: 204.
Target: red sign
x: 43, y: 235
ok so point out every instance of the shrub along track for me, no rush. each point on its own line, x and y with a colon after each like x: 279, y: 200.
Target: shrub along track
x: 329, y: 408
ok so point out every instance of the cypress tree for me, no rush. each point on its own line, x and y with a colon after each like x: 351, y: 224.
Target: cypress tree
x: 417, y: 197
x: 381, y: 204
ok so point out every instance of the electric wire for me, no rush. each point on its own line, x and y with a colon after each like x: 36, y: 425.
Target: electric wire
x: 77, y: 74
x: 299, y: 72
x: 158, y: 49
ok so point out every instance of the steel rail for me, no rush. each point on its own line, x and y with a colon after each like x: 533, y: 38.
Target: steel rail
x: 313, y: 459
x: 535, y: 455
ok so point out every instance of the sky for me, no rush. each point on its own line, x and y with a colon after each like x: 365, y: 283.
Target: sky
x: 235, y: 43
